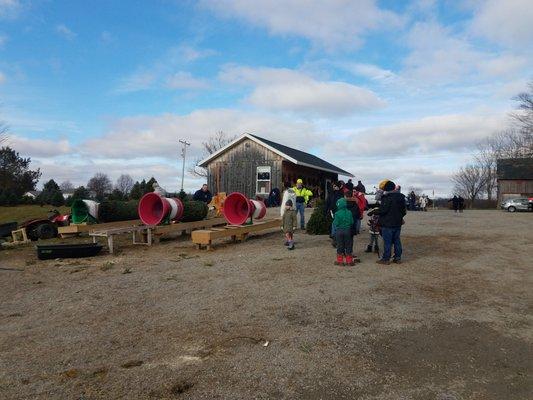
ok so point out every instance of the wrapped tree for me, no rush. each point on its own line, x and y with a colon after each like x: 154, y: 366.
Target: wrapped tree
x: 320, y: 222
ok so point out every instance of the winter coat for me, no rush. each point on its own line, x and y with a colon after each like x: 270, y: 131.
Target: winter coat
x: 302, y: 194
x: 343, y: 217
x: 289, y: 220
x: 392, y: 210
x: 331, y: 203
x: 200, y: 195
x: 360, y: 188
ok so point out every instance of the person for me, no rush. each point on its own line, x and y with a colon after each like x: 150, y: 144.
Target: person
x: 203, y: 194
x: 423, y: 203
x: 353, y: 206
x: 274, y: 198
x: 289, y: 222
x: 412, y: 201
x: 349, y: 185
x: 362, y: 204
x: 288, y: 194
x: 455, y: 203
x: 343, y: 222
x: 461, y: 204
x: 331, y: 207
x: 391, y: 213
x: 374, y: 230
x: 302, y: 198
x: 360, y: 187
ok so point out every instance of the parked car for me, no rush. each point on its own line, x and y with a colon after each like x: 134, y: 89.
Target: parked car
x: 520, y: 204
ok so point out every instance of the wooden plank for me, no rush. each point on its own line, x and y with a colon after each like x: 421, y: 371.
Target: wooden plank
x: 206, y: 236
x: 80, y: 228
x: 183, y: 226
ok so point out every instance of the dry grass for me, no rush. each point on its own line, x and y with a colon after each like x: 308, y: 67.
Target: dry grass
x: 23, y: 213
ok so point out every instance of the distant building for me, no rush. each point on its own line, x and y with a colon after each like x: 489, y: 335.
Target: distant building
x: 66, y: 195
x: 32, y: 194
x: 253, y: 166
x: 515, y: 178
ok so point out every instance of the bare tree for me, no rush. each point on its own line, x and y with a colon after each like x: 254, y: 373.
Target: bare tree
x: 469, y: 181
x: 3, y: 132
x: 487, y: 160
x: 100, y: 185
x: 124, y: 184
x: 66, y: 187
x: 212, y: 145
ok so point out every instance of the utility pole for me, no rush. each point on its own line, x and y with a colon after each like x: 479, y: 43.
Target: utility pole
x: 184, y: 145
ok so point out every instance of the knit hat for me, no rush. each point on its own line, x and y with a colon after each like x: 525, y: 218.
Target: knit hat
x: 299, y: 181
x: 389, y: 186
x: 288, y: 203
x: 382, y: 184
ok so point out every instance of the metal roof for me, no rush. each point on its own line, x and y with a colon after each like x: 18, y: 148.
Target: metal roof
x: 295, y: 156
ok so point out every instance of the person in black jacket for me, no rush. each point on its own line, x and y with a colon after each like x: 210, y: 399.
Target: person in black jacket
x: 203, y: 194
x: 360, y: 187
x: 331, y: 206
x: 391, y: 213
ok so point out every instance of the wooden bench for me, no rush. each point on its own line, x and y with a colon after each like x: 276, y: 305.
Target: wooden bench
x: 76, y: 229
x: 204, y: 238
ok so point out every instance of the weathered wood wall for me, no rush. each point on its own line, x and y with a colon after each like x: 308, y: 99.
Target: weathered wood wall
x: 235, y: 170
x: 513, y: 188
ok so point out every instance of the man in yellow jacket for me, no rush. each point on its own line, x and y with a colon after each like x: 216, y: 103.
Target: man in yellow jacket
x: 302, y: 197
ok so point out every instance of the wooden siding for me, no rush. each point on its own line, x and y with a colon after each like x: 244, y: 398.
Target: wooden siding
x: 235, y: 169
x: 513, y: 188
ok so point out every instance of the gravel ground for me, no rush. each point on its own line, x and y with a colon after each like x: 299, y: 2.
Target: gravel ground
x: 254, y: 320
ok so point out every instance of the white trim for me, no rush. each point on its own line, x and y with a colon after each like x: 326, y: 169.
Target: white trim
x: 258, y: 141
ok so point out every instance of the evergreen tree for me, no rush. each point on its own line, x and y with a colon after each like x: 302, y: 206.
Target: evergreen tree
x: 51, y: 194
x: 16, y: 178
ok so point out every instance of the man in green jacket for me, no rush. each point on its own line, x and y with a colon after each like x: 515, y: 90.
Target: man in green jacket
x: 343, y: 222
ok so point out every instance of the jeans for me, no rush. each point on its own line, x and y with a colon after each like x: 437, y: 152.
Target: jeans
x: 344, y: 241
x: 391, y: 236
x: 300, y: 208
x: 357, y: 226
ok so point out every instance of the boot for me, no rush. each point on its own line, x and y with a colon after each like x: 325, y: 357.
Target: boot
x: 340, y: 260
x: 368, y: 249
x: 376, y: 249
x: 349, y: 260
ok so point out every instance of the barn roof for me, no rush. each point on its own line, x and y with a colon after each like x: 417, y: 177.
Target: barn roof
x: 515, y: 168
x: 293, y: 155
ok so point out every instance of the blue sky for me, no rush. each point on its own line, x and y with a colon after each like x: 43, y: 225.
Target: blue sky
x: 384, y: 89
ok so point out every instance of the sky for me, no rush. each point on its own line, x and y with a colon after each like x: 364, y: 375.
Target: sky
x: 402, y: 90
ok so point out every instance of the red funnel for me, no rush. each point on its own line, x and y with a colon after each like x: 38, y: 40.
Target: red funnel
x: 154, y: 209
x: 237, y: 209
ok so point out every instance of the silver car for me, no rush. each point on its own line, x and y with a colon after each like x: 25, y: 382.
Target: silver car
x: 520, y: 204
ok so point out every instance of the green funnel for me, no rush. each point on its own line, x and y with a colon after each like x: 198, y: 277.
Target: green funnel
x: 81, y: 213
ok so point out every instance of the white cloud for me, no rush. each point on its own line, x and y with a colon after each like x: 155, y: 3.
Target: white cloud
x: 39, y: 147
x: 507, y: 22
x: 2, y: 77
x: 9, y: 8
x: 283, y: 90
x: 157, y: 136
x: 371, y: 71
x: 64, y: 31
x: 329, y: 23
x: 184, y: 80
x: 438, y: 56
x: 137, y: 81
x: 160, y: 73
x: 428, y: 135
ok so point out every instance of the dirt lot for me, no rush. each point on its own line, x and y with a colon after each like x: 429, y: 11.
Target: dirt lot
x: 254, y: 320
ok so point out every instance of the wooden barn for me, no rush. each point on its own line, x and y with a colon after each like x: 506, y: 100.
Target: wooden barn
x: 253, y: 166
x: 515, y: 178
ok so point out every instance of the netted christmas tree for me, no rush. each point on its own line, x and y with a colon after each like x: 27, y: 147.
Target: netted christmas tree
x: 194, y: 211
x: 115, y: 210
x: 320, y: 222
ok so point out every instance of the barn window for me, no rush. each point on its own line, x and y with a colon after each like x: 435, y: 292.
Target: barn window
x: 263, y: 180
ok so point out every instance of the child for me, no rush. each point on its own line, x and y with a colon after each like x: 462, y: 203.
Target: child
x: 289, y: 222
x: 374, y: 230
x: 343, y: 222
